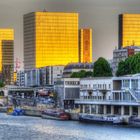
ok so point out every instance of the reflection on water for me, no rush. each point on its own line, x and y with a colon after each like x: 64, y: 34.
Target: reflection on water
x: 32, y: 128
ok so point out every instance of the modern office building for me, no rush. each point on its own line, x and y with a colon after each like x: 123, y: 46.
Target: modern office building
x: 50, y: 74
x: 50, y: 38
x: 20, y: 79
x: 7, y: 54
x: 32, y: 78
x: 8, y: 61
x: 129, y: 30
x: 44, y: 76
x: 85, y: 45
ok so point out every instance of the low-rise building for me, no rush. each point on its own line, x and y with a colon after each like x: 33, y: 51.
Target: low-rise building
x: 67, y: 89
x: 110, y: 96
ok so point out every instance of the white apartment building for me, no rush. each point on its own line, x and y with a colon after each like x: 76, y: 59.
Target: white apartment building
x: 110, y: 96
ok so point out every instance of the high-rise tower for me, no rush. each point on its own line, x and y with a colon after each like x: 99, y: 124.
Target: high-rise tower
x: 50, y: 38
x: 7, y: 55
x: 85, y: 45
x: 129, y: 30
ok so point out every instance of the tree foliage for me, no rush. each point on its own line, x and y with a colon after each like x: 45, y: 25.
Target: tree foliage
x: 131, y: 65
x: 82, y: 74
x: 1, y: 84
x: 102, y: 68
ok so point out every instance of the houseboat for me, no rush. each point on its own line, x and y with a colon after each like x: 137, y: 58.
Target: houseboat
x: 56, y: 114
x: 134, y: 121
x: 101, y: 119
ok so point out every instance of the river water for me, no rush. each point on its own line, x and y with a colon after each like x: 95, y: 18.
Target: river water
x: 33, y: 128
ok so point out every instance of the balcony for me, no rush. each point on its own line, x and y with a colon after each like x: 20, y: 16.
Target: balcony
x: 107, y: 102
x: 94, y: 89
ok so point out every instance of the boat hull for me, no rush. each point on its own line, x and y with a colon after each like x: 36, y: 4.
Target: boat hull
x: 51, y: 117
x: 85, y: 120
x: 99, y: 120
x: 134, y: 121
x: 55, y: 115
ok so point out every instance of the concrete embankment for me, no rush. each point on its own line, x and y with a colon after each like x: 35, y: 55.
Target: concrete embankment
x: 74, y: 116
x: 35, y: 112
x: 32, y: 112
x: 3, y: 109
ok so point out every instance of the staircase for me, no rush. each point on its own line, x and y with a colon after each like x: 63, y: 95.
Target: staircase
x: 133, y: 94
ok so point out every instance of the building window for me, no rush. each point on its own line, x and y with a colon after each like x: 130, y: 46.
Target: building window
x: 134, y: 84
x: 87, y: 110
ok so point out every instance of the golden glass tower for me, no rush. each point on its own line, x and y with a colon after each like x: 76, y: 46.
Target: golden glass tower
x: 129, y: 30
x: 5, y: 35
x: 50, y: 38
x: 85, y: 46
x: 7, y: 55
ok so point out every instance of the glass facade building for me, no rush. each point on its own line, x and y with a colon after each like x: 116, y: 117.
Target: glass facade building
x: 7, y: 55
x: 8, y: 61
x: 129, y: 30
x: 50, y: 38
x: 5, y: 35
x: 85, y: 48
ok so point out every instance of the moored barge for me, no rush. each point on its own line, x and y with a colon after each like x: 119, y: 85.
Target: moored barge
x: 55, y: 114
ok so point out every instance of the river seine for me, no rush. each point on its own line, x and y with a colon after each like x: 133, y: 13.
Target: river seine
x: 33, y: 128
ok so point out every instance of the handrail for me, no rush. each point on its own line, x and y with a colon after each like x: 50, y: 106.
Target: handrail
x: 132, y: 92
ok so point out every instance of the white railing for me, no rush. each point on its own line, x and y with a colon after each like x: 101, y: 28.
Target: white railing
x: 106, y: 101
x: 133, y: 94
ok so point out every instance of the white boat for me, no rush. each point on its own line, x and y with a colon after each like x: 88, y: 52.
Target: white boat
x: 134, y: 121
x: 55, y: 114
x: 101, y: 119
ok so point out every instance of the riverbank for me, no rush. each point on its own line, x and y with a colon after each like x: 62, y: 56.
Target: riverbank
x: 36, y: 112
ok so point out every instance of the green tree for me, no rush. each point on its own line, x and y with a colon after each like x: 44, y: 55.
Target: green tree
x: 1, y: 83
x: 89, y: 74
x: 102, y: 68
x: 75, y: 75
x: 121, y: 69
x: 82, y: 74
x: 131, y: 65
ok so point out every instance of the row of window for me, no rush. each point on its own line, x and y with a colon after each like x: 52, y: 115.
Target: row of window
x: 93, y: 97
x: 99, y: 86
x: 72, y: 83
x: 134, y: 83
